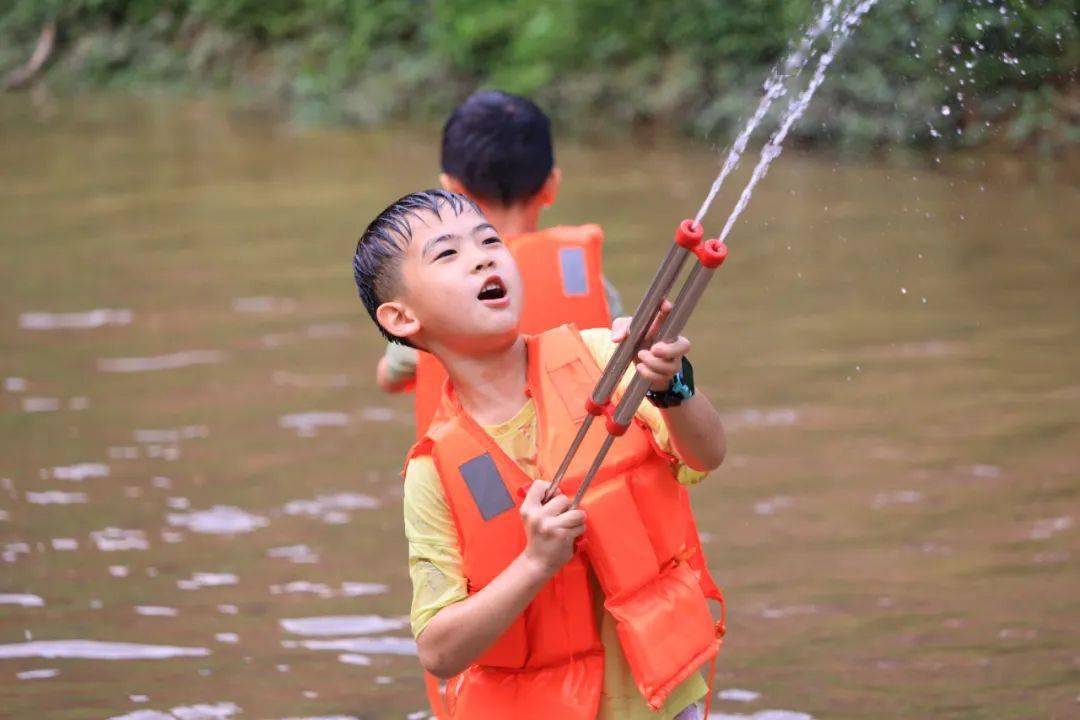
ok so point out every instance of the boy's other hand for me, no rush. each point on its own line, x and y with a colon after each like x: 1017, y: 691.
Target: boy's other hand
x: 658, y: 361
x: 550, y: 529
x: 620, y: 326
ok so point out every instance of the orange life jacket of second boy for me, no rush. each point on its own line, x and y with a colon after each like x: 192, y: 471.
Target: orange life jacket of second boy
x: 640, y: 542
x: 562, y: 275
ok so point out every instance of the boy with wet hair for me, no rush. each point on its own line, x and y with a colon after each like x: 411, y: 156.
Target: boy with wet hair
x: 497, y: 149
x: 522, y: 621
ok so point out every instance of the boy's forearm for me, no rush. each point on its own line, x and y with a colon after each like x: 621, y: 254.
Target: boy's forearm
x: 697, y: 433
x: 459, y: 633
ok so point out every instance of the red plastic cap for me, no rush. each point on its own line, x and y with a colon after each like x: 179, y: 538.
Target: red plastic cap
x: 615, y: 428
x: 594, y: 408
x: 689, y: 234
x: 711, y: 253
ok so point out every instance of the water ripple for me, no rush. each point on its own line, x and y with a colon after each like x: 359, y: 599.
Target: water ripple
x: 96, y: 650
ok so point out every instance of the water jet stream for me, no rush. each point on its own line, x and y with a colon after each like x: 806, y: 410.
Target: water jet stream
x: 775, y: 88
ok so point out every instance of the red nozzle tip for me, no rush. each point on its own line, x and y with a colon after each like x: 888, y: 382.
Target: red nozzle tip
x: 689, y: 234
x: 711, y: 253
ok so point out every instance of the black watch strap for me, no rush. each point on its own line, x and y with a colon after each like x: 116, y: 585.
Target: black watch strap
x: 679, y: 390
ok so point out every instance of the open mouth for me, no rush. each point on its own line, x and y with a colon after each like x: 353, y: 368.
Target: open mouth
x: 493, y: 290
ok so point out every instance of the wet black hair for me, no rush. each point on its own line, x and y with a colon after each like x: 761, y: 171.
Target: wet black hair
x: 376, y: 263
x: 499, y: 146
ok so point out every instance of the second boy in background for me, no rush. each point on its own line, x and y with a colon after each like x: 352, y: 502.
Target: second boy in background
x: 497, y: 149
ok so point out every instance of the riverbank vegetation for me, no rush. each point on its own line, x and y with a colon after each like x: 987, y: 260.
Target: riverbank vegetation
x: 940, y: 73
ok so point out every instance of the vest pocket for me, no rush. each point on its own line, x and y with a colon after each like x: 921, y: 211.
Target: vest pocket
x: 666, y: 631
x: 573, y: 383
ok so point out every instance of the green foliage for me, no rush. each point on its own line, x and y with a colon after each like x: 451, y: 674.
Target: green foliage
x: 696, y: 64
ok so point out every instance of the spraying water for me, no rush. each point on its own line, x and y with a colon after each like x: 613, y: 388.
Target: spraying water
x: 795, y: 110
x: 775, y: 88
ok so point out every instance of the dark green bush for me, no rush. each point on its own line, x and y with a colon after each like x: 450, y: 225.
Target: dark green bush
x: 695, y: 64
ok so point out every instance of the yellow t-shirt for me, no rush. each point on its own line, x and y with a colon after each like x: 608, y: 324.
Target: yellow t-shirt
x: 435, y: 559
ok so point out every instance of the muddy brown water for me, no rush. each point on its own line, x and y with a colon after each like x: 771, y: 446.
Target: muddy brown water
x: 194, y: 459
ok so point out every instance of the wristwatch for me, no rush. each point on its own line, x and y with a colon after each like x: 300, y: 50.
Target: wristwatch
x: 680, y: 389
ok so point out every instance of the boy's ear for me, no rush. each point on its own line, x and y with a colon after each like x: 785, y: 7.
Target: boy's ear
x: 452, y: 184
x: 397, y: 319
x: 550, y: 189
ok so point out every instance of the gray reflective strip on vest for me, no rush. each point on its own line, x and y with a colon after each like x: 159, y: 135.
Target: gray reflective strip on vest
x: 572, y: 270
x: 486, y: 486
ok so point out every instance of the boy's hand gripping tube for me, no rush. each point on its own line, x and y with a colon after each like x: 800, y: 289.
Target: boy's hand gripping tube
x: 711, y: 255
x: 687, y: 239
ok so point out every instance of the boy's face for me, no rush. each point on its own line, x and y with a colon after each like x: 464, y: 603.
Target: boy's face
x: 460, y: 285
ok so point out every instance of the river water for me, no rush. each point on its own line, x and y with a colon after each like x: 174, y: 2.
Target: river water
x: 199, y: 490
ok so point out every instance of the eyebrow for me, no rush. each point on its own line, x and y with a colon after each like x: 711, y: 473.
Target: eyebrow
x: 430, y: 244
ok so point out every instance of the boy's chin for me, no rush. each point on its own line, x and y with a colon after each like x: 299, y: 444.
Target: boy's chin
x: 480, y: 341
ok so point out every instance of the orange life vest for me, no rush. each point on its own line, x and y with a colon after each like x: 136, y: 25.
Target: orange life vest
x: 562, y: 276
x: 640, y: 543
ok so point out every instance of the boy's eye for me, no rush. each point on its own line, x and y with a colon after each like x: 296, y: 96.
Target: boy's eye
x: 445, y: 253
x: 491, y: 240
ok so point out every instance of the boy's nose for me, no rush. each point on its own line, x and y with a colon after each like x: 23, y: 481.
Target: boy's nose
x: 484, y: 264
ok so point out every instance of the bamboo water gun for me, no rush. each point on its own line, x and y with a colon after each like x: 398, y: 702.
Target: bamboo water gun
x: 710, y: 255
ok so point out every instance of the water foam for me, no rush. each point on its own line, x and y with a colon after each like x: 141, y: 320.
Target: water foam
x: 341, y: 625
x: 202, y: 579
x: 55, y: 497
x: 160, y: 362
x: 382, y: 645
x: 80, y: 471
x: 308, y: 424
x: 74, y: 321
x: 218, y: 520
x: 96, y: 650
x: 113, y: 539
x: 299, y: 554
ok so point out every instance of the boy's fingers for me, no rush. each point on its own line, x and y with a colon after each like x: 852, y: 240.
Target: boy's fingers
x: 574, y: 532
x: 661, y: 315
x: 570, y: 519
x: 671, y: 350
x: 660, y: 365
x: 535, y: 493
x: 568, y: 534
x: 555, y: 505
x: 654, y: 378
x: 619, y: 328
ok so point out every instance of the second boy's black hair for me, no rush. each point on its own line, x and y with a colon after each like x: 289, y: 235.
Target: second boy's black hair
x: 377, y: 260
x: 499, y: 146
